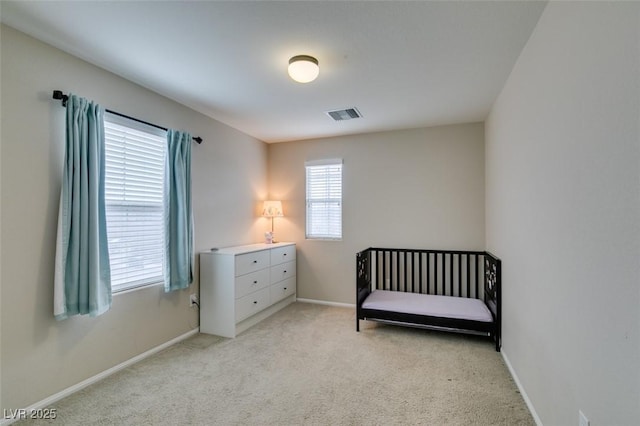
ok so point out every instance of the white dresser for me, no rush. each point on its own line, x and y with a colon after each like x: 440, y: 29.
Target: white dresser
x: 240, y: 286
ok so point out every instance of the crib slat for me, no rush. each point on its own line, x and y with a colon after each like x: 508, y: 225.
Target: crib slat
x: 387, y: 280
x: 374, y: 256
x: 435, y: 273
x: 477, y: 275
x: 397, y: 269
x: 390, y: 284
x: 380, y: 271
x: 384, y: 271
x: 414, y: 269
x: 444, y: 274
x: 459, y: 257
x: 443, y: 287
x: 468, y: 276
x: 420, y: 271
x: 412, y: 272
x: 451, y: 274
x: 405, y: 281
x: 451, y: 277
x: 428, y: 272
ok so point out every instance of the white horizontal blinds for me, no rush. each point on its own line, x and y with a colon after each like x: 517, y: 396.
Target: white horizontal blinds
x: 134, y: 189
x: 324, y: 199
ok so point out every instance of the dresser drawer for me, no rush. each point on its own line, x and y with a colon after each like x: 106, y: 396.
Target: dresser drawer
x: 283, y: 271
x: 283, y: 254
x: 283, y: 289
x: 249, y: 283
x: 252, y: 304
x: 251, y: 262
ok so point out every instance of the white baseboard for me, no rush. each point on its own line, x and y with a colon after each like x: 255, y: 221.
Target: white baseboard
x: 521, y: 389
x: 100, y: 376
x: 323, y: 302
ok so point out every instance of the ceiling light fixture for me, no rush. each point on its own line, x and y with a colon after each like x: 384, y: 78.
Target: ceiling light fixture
x: 303, y: 68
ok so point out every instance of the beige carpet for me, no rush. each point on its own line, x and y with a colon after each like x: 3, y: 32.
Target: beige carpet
x: 306, y: 365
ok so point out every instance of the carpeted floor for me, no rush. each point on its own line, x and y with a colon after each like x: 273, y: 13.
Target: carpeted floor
x: 306, y: 365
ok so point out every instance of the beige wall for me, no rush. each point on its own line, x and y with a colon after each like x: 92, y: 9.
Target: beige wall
x: 1, y: 126
x: 421, y: 188
x: 39, y: 355
x: 563, y: 212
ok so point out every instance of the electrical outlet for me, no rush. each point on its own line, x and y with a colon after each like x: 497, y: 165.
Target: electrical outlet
x: 193, y: 300
x: 583, y: 420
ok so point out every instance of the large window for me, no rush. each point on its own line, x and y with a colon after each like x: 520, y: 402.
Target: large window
x: 134, y: 192
x: 324, y: 199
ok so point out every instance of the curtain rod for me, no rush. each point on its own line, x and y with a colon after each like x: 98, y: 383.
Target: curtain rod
x: 57, y: 94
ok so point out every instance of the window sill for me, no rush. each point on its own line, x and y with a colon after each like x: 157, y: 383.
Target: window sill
x: 135, y: 288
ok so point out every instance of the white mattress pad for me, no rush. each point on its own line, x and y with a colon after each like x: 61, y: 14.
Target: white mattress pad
x: 427, y: 304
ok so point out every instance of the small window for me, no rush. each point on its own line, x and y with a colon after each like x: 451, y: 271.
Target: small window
x: 134, y: 195
x: 324, y: 199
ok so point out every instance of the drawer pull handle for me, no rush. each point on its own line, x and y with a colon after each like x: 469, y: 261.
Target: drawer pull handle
x: 255, y: 261
x: 285, y: 288
x: 285, y: 254
x: 284, y: 272
x: 255, y: 282
x: 255, y: 302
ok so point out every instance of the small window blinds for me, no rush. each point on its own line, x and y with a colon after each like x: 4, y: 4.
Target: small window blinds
x: 324, y: 199
x: 134, y: 190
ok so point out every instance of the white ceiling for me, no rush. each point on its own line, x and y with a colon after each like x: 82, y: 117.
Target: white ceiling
x: 402, y: 64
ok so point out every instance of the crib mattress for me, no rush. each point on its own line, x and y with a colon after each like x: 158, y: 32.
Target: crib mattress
x: 430, y: 305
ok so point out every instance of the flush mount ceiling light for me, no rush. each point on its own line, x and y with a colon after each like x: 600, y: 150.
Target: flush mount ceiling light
x: 303, y: 68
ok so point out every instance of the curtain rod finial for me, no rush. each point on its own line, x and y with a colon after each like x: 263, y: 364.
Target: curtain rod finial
x: 57, y: 94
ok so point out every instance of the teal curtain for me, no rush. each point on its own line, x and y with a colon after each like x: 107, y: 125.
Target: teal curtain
x: 82, y: 282
x: 178, y: 272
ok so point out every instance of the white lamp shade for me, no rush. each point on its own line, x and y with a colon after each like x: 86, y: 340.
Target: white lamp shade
x: 303, y: 68
x: 272, y: 209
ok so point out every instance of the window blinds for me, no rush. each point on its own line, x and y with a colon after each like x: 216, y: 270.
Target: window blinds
x: 324, y: 199
x: 134, y: 190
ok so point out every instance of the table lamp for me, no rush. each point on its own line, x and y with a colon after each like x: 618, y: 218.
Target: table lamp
x: 271, y: 209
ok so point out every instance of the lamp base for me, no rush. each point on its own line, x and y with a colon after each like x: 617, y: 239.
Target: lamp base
x: 268, y: 238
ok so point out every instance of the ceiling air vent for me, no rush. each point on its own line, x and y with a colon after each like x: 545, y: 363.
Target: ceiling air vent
x: 344, y: 114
